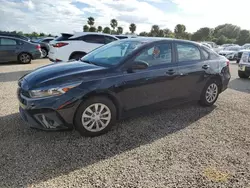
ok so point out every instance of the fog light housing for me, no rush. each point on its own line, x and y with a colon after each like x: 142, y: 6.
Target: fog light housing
x: 49, y: 121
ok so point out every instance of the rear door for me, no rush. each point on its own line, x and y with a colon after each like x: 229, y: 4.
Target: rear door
x: 8, y: 49
x: 193, y: 68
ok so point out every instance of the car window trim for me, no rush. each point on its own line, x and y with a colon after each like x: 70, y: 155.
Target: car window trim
x: 123, y: 66
x: 188, y: 43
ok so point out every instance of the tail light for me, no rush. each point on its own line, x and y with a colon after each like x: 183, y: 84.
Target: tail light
x: 38, y: 47
x: 60, y: 44
x: 228, y: 63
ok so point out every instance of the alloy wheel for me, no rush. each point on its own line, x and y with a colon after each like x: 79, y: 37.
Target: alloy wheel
x: 96, y: 117
x: 44, y: 53
x: 25, y: 58
x: 211, y: 93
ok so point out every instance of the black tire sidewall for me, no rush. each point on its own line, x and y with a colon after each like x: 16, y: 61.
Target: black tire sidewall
x: 78, y: 117
x: 19, y: 60
x: 242, y: 75
x: 46, y: 52
x: 77, y: 56
x: 203, y: 100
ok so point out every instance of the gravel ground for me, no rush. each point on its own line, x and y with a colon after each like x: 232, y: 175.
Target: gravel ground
x: 188, y: 146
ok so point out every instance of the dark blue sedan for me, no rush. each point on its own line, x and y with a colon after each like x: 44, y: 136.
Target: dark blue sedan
x: 124, y: 76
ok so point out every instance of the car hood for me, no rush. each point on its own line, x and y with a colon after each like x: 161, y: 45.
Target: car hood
x: 58, y: 73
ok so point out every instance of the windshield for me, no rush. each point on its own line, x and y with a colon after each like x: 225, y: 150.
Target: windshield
x: 112, y: 54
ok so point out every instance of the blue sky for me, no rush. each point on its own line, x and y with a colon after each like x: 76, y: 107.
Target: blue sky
x: 56, y: 16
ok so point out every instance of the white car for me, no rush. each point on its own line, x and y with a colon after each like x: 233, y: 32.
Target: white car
x: 74, y: 46
x: 244, y: 65
x: 230, y: 52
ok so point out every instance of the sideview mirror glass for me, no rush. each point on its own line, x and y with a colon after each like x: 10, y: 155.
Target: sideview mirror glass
x: 139, y: 65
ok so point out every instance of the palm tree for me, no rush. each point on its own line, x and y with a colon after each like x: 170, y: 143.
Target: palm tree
x: 99, y: 28
x: 113, y: 24
x: 92, y: 29
x: 119, y: 30
x: 91, y: 21
x: 179, y: 30
x: 85, y: 28
x: 155, y: 30
x: 107, y: 30
x: 132, y: 27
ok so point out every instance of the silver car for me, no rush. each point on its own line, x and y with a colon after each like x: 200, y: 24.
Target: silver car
x: 14, y: 49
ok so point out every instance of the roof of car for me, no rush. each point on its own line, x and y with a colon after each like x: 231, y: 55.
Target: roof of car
x: 79, y: 34
x: 12, y: 37
x: 152, y: 39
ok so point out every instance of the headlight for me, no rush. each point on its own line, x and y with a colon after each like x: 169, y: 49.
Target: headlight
x: 52, y: 91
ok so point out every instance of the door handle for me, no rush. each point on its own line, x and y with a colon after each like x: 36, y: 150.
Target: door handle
x: 170, y: 72
x: 205, y: 66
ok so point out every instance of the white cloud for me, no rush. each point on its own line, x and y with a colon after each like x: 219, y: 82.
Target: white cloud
x: 58, y: 16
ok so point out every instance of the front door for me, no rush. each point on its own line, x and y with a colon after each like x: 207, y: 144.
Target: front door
x: 153, y: 85
x: 8, y: 49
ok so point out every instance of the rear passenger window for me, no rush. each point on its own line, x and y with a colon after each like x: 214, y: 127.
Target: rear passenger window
x: 205, y: 54
x: 7, y: 42
x: 157, y: 55
x: 99, y: 39
x: 188, y: 52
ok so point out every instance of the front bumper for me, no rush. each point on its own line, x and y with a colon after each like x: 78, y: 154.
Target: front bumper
x: 55, y: 113
x: 244, y: 68
x: 44, y: 120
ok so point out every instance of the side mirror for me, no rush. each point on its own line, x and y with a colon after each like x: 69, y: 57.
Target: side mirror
x: 139, y: 65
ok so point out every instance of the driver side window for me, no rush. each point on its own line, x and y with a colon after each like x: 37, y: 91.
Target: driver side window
x: 157, y: 55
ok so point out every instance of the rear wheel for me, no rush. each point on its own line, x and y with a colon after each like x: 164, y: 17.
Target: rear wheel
x: 210, y: 93
x: 242, y: 74
x: 44, y: 53
x: 24, y: 58
x: 95, y: 116
x: 77, y: 56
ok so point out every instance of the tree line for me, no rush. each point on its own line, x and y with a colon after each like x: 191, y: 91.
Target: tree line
x: 226, y: 33
x: 31, y: 35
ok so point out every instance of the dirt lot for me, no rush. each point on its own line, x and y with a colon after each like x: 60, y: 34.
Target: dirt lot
x: 188, y: 146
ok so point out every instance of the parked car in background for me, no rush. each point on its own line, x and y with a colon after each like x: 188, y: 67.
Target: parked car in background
x: 15, y: 36
x: 74, y: 46
x: 44, y: 43
x: 230, y: 52
x: 15, y: 49
x: 125, y: 36
x: 124, y: 76
x: 246, y: 46
x: 244, y: 65
x: 239, y: 54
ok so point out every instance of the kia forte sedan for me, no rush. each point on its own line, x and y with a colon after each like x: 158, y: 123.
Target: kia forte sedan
x: 124, y: 76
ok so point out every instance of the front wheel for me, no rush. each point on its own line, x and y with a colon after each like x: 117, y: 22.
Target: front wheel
x: 242, y: 74
x: 95, y: 116
x: 210, y: 93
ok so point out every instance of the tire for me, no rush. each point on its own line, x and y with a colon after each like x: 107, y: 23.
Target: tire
x: 237, y: 61
x: 24, y: 58
x: 213, y: 88
x: 242, y: 75
x: 44, y: 53
x: 77, y: 56
x: 94, y: 120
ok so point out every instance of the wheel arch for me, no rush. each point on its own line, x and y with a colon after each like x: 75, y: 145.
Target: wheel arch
x: 76, y: 52
x: 110, y: 95
x: 218, y: 79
